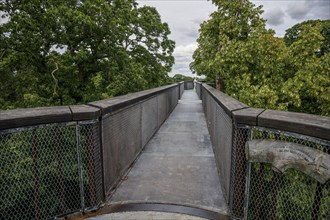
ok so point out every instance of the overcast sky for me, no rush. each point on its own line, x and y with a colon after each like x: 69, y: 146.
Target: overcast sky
x: 185, y: 16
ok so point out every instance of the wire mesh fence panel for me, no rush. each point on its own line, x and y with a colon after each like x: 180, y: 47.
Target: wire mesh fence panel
x: 172, y: 98
x: 162, y: 108
x: 222, y: 142
x: 238, y: 171
x: 288, y: 195
x: 122, y: 141
x: 149, y: 119
x: 39, y: 172
x: 91, y: 164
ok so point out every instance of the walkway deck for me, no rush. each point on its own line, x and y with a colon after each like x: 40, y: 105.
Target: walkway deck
x: 177, y: 166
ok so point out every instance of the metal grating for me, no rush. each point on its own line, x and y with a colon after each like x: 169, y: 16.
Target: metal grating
x: 291, y: 195
x: 149, y: 119
x: 122, y: 138
x: 258, y: 192
x: 47, y: 171
x: 223, y: 146
x: 172, y: 96
x: 220, y: 129
x: 238, y: 171
x: 162, y: 108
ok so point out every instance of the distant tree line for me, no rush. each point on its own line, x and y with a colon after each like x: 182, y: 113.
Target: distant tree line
x: 59, y: 52
x: 179, y: 78
x: 261, y: 70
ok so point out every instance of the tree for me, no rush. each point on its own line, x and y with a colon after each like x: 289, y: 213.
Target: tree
x: 234, y: 21
x: 67, y: 52
x: 260, y: 69
x: 292, y: 34
x: 180, y: 78
x: 310, y: 66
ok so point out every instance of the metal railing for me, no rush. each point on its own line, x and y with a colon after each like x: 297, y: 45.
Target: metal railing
x: 49, y: 170
x: 59, y: 160
x: 255, y: 189
x: 289, y: 195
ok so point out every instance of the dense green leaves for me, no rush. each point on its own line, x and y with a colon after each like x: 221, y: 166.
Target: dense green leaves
x: 260, y: 69
x: 65, y: 52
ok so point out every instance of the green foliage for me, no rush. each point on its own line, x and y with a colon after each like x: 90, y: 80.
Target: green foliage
x: 233, y: 21
x: 260, y: 69
x: 290, y: 195
x: 180, y: 78
x: 292, y: 34
x: 65, y: 52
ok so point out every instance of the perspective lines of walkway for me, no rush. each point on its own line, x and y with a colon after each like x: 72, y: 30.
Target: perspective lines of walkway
x: 177, y: 166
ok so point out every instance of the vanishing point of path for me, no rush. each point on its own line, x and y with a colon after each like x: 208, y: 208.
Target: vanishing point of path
x: 177, y: 166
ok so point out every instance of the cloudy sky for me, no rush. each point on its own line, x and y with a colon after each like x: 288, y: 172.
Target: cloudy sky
x: 185, y: 16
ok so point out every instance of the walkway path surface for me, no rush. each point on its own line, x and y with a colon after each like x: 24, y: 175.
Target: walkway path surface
x: 177, y: 166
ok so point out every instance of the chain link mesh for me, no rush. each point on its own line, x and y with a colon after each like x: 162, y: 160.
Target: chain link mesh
x: 41, y: 176
x: 220, y: 129
x: 272, y: 195
x: 291, y: 195
x: 238, y: 171
x: 122, y: 141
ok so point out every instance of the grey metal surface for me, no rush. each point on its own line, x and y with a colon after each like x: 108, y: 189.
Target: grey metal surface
x: 126, y: 131
x: 162, y: 108
x: 220, y: 127
x: 178, y: 165
x: 121, y: 142
x: 149, y: 119
x: 223, y: 129
x: 146, y: 215
x: 188, y: 85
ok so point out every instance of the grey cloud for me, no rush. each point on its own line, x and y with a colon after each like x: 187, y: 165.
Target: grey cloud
x: 321, y: 9
x: 309, y: 9
x: 299, y: 9
x: 191, y: 33
x: 275, y: 17
x: 198, y: 21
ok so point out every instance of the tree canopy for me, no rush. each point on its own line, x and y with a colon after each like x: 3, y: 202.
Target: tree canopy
x: 65, y: 52
x: 260, y: 69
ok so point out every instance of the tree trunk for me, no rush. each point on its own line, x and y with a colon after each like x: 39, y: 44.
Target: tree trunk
x: 219, y: 85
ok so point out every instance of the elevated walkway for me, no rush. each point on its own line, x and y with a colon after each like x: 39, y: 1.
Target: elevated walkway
x: 178, y: 165
x: 144, y: 156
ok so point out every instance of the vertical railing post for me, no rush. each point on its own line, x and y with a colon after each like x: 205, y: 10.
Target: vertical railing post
x: 35, y: 174
x: 80, y: 169
x: 240, y: 171
x: 59, y: 165
x: 275, y: 179
x: 91, y: 168
x: 318, y: 194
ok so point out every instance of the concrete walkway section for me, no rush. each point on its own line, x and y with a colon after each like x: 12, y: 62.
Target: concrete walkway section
x: 177, y: 166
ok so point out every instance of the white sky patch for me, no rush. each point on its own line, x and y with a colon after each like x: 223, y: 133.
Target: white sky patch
x: 183, y: 50
x: 3, y: 19
x: 182, y: 54
x: 184, y: 19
